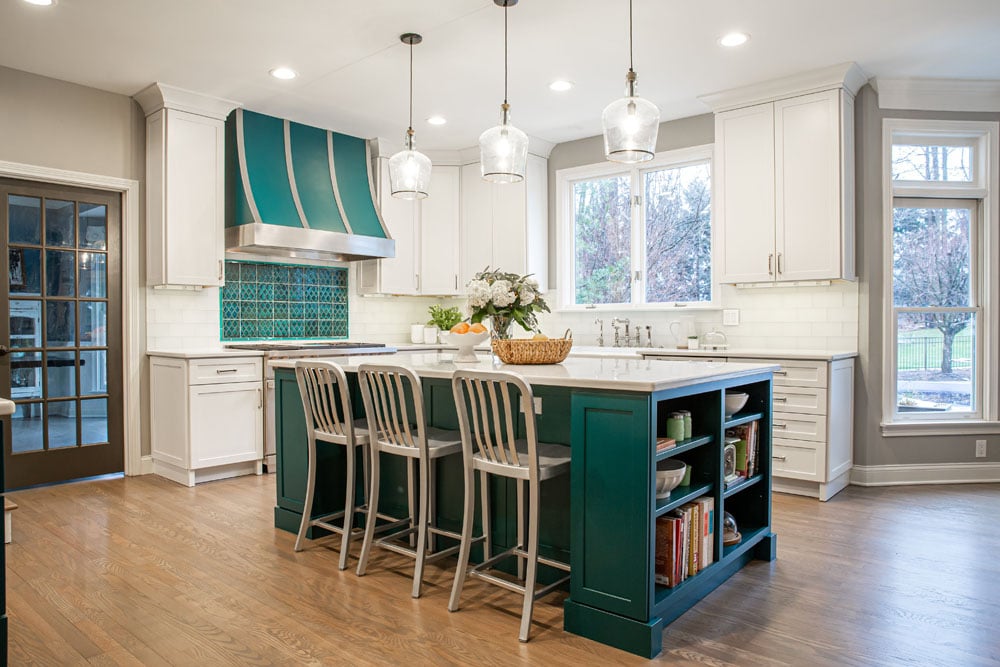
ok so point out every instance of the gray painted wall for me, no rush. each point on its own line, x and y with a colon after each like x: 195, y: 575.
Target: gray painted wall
x: 870, y: 448
x: 51, y: 123
x: 673, y: 134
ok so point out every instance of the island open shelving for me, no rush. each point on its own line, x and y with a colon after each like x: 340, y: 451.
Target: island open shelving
x: 603, y: 519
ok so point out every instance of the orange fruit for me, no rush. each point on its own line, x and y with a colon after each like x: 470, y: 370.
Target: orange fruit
x: 460, y: 328
x: 477, y: 328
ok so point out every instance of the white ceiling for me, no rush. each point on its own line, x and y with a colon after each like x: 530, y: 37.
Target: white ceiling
x: 353, y: 69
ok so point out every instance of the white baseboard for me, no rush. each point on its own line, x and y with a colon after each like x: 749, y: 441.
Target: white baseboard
x: 146, y: 465
x: 938, y: 473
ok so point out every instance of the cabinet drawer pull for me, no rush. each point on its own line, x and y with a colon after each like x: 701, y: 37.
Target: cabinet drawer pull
x: 780, y: 269
x: 779, y: 458
x: 780, y: 372
x: 780, y: 425
x: 222, y: 371
x: 780, y: 399
x: 770, y: 264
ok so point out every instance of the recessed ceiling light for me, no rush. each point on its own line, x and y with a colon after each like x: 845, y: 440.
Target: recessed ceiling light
x: 437, y: 120
x: 284, y: 73
x: 734, y: 39
x: 560, y: 85
x: 41, y: 3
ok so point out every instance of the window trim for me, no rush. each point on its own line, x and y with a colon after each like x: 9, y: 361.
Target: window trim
x: 986, y: 260
x: 566, y: 258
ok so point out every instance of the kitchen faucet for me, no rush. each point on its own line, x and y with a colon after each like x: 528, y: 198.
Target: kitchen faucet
x: 600, y: 331
x: 615, y: 325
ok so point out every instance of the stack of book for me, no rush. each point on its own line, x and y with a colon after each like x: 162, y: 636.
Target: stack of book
x: 685, y: 541
x: 663, y: 444
x: 746, y: 452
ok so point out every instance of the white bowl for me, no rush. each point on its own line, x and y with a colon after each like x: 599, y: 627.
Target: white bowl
x: 669, y: 473
x: 464, y: 342
x: 735, y: 401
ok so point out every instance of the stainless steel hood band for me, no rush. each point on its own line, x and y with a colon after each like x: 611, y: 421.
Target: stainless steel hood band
x: 241, y: 154
x: 336, y: 188
x: 291, y: 175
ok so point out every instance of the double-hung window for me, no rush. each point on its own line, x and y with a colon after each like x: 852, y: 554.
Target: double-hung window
x: 637, y: 237
x: 941, y: 275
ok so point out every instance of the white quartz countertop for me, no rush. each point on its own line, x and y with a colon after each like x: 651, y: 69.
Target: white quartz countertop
x: 204, y: 354
x: 583, y: 372
x: 6, y: 407
x: 745, y: 353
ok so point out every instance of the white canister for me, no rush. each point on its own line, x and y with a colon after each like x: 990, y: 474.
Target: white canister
x: 692, y: 342
x: 430, y: 335
x: 416, y: 333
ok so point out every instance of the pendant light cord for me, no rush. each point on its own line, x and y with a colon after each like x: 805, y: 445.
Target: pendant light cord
x: 411, y: 86
x: 505, y: 53
x: 630, y: 68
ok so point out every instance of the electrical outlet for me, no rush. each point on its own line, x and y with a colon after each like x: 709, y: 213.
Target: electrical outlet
x: 980, y: 449
x: 731, y: 317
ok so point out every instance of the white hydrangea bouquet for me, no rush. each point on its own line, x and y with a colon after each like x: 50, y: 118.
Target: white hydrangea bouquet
x: 505, y: 298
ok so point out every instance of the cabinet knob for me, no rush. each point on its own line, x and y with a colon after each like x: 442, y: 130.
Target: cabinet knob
x: 4, y: 351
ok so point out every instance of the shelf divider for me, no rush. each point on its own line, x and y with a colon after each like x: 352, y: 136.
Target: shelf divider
x: 684, y: 446
x: 679, y: 496
x: 739, y: 486
x: 743, y: 418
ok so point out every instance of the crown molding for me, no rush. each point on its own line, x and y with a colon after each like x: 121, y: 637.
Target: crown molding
x: 847, y: 76
x: 158, y: 96
x: 938, y: 94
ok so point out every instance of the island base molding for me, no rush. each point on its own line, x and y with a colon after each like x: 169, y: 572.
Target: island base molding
x: 189, y: 477
x: 645, y: 638
x: 820, y: 490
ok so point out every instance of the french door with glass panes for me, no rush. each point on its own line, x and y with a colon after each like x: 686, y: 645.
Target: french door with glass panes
x: 62, y: 329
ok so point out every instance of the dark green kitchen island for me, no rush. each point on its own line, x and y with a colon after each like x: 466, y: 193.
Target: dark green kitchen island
x: 603, y: 519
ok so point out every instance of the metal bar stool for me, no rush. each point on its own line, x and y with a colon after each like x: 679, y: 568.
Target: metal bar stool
x: 489, y: 444
x: 327, y: 405
x: 385, y: 390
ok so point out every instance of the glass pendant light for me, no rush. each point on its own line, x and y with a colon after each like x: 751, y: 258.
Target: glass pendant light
x: 409, y: 170
x: 630, y: 123
x: 503, y: 150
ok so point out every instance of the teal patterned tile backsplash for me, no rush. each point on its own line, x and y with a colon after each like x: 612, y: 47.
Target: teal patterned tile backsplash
x: 283, y: 301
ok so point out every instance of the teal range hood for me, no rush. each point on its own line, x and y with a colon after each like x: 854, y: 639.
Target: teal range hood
x: 300, y: 192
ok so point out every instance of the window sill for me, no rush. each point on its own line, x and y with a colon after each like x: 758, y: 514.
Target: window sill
x: 643, y: 307
x: 931, y: 428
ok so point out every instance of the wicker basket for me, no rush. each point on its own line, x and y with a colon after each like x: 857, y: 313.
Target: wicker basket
x: 526, y: 351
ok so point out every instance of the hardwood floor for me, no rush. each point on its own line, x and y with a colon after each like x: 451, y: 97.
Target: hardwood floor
x: 142, y: 571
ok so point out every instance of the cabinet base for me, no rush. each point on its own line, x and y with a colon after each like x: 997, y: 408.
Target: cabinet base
x: 644, y: 639
x: 818, y: 490
x: 191, y: 477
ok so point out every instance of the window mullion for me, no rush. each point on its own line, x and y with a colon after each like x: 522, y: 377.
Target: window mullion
x: 638, y: 238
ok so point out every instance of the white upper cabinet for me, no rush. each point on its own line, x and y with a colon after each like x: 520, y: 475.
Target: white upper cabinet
x: 505, y: 226
x: 185, y: 186
x: 784, y: 180
x: 426, y: 233
x: 440, y: 222
x: 396, y: 275
x: 463, y: 226
x: 744, y: 197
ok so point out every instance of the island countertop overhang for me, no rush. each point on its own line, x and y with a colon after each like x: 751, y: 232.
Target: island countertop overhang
x: 638, y: 375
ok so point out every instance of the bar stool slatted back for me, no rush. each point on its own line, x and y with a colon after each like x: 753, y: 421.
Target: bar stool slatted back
x: 394, y: 405
x: 326, y: 402
x: 488, y: 405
